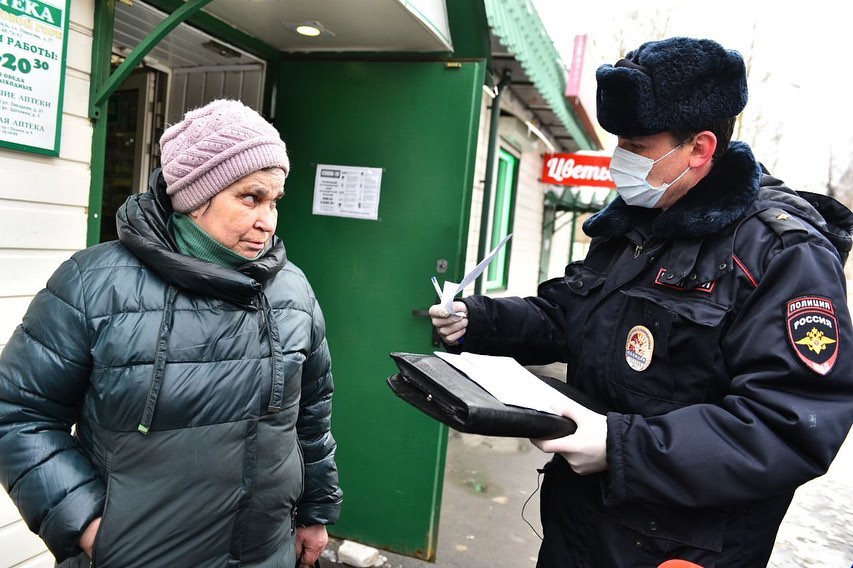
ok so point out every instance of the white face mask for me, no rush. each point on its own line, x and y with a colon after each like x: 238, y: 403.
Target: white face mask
x: 629, y: 172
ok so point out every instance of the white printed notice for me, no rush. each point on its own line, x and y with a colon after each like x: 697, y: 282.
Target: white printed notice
x: 347, y: 191
x: 33, y: 40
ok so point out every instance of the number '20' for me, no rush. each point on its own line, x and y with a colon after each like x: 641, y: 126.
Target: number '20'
x: 22, y: 65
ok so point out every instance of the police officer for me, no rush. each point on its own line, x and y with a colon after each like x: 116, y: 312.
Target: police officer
x: 709, y: 318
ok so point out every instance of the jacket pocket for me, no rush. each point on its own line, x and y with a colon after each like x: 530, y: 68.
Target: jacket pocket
x: 99, y: 536
x: 287, y: 380
x: 172, y: 497
x: 657, y: 533
x: 686, y: 363
x: 279, y: 485
x: 583, y: 280
x: 576, y: 293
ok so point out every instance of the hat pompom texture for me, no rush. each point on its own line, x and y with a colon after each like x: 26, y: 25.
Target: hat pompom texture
x: 670, y: 85
x: 213, y: 147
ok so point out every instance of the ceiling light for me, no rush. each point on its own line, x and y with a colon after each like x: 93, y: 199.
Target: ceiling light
x: 309, y: 29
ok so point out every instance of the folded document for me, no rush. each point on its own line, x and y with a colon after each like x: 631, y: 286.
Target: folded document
x: 451, y: 289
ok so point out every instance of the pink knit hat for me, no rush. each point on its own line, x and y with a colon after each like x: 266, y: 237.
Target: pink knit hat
x: 214, y: 146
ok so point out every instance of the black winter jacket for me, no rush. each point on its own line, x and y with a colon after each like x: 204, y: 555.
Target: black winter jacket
x: 717, y: 333
x: 201, y: 398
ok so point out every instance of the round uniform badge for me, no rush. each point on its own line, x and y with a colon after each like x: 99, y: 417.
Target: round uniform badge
x: 639, y: 348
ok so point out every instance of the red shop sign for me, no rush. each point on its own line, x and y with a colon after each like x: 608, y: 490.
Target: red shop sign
x: 577, y: 169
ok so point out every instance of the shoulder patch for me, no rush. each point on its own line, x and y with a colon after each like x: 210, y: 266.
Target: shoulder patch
x: 780, y: 221
x: 813, y: 332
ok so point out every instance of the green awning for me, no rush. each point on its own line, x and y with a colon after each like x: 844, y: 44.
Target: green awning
x: 518, y: 27
x: 574, y: 200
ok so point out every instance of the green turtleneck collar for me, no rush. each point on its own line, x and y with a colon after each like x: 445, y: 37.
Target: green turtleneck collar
x: 194, y: 241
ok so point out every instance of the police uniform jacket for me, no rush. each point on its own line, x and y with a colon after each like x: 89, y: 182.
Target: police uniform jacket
x: 201, y: 398
x: 716, y: 334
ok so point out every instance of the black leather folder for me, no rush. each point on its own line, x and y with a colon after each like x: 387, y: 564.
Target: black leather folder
x: 439, y: 390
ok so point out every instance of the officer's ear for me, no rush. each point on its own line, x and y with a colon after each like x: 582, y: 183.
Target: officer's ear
x: 702, y: 148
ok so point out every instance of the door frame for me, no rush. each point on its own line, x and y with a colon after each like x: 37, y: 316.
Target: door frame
x: 104, y: 82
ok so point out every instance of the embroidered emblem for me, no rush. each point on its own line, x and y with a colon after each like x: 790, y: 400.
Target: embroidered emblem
x: 665, y: 279
x: 639, y: 348
x: 813, y: 331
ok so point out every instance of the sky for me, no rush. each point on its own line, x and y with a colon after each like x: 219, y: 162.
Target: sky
x: 801, y: 78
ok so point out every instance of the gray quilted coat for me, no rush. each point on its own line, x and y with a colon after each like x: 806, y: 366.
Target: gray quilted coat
x: 201, y: 398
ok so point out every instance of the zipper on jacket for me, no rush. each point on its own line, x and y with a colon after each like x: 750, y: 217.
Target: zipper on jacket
x: 301, y: 493
x: 639, y: 237
x: 638, y: 249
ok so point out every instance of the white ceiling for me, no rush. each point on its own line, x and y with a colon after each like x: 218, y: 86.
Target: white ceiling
x: 358, y: 25
x: 355, y: 25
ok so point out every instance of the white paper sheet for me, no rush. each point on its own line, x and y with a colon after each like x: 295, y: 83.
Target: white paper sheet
x: 347, y: 191
x: 451, y: 289
x: 505, y: 379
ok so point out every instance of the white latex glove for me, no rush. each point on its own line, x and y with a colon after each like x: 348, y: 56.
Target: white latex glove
x: 586, y: 449
x: 451, y: 327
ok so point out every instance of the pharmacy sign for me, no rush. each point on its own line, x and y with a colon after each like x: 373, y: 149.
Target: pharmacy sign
x: 33, y: 42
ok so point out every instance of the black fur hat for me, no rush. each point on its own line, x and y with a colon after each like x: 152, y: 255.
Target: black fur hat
x: 674, y: 84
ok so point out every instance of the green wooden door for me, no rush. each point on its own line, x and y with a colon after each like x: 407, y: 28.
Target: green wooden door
x: 418, y: 122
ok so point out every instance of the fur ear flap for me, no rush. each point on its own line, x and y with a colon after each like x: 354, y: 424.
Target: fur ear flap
x: 669, y: 85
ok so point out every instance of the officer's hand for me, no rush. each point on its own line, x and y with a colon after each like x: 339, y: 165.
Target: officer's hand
x: 586, y: 449
x: 451, y: 327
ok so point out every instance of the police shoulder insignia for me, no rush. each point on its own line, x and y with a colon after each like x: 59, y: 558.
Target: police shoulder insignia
x: 813, y: 332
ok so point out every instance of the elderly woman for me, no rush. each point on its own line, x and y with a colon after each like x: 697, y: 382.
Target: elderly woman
x: 191, y: 357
